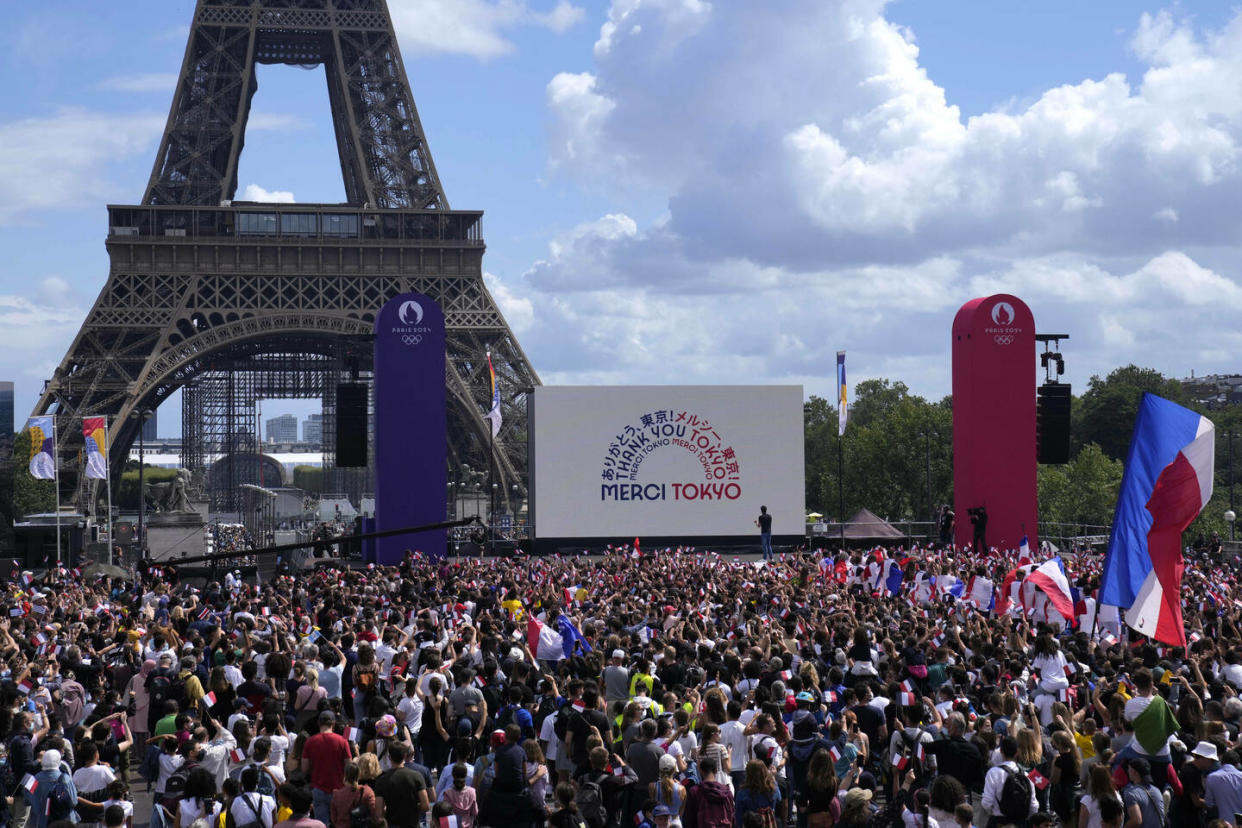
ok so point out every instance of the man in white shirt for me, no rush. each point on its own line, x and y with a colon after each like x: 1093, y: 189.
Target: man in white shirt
x: 733, y: 736
x: 994, y: 782
x: 252, y: 806
x: 92, y: 778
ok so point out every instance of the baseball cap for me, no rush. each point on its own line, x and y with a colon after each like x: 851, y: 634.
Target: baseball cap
x: 327, y: 717
x: 661, y: 810
x: 618, y: 653
x: 498, y: 738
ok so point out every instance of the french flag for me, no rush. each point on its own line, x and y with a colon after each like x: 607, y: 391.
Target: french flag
x: 1050, y: 577
x: 544, y: 641
x: 1167, y: 482
x: 1024, y: 551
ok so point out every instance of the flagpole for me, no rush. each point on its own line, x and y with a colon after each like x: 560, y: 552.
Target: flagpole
x: 841, y: 488
x: 491, y: 467
x: 56, y: 485
x: 108, y: 485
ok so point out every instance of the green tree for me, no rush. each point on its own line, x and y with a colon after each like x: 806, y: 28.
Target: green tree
x: 1082, y: 492
x: 30, y: 496
x: 1105, y: 413
x: 889, y: 439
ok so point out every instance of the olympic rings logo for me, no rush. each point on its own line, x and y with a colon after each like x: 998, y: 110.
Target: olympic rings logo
x: 412, y: 339
x: 1003, y: 339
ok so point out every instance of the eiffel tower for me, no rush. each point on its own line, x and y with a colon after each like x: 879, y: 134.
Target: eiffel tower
x: 207, y: 294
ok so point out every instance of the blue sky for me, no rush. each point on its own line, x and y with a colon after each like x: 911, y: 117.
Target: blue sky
x: 836, y: 174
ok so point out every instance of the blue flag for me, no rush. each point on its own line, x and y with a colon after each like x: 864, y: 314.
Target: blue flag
x: 571, y: 636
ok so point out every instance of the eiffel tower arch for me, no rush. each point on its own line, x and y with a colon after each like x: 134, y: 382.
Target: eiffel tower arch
x: 202, y: 289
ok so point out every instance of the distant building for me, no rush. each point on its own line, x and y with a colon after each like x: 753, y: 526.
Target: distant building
x: 1214, y: 390
x: 282, y: 429
x: 312, y: 429
x: 149, y: 430
x: 6, y: 412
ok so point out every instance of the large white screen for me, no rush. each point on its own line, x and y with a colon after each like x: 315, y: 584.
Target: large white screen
x: 692, y: 461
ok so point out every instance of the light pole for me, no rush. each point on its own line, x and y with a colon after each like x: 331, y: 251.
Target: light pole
x: 142, y: 416
x: 1231, y: 511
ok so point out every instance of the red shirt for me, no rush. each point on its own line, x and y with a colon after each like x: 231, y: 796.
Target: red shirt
x: 327, y: 753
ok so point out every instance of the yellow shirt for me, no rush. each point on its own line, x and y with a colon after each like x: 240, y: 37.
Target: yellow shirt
x: 1084, y: 745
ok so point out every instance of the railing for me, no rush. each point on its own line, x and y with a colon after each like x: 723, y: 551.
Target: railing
x: 333, y: 222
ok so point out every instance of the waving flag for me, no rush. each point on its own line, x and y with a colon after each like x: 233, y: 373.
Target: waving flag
x: 1050, y: 577
x: 1003, y: 600
x: 545, y: 642
x: 494, y: 413
x: 42, y: 447
x: 1167, y: 482
x: 842, y: 409
x: 1024, y: 551
x: 571, y: 637
x: 95, y: 430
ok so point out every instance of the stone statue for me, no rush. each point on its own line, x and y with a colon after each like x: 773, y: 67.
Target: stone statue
x: 173, y: 496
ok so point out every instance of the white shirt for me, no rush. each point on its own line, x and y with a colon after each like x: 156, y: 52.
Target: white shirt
x: 547, y: 735
x: 94, y: 778
x: 994, y: 783
x: 264, y: 806
x: 731, y: 736
x: 234, y: 675
x: 410, y: 711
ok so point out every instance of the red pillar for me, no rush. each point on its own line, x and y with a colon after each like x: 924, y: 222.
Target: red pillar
x: 994, y: 378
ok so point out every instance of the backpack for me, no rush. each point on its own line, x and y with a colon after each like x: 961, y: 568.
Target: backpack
x: 257, y: 822
x: 360, y: 816
x: 590, y: 801
x: 159, y: 689
x: 59, y: 801
x: 174, y: 788
x: 265, y: 787
x: 561, y: 726
x: 766, y: 818
x: 366, y: 682
x: 1015, y: 798
x: 484, y: 775
x: 547, y: 706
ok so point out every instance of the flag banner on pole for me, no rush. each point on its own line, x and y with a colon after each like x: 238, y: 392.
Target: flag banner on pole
x: 42, y: 466
x: 1167, y: 482
x: 94, y: 429
x: 494, y: 413
x: 842, y: 407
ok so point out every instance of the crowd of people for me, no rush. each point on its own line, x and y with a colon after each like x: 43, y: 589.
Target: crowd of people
x: 878, y: 688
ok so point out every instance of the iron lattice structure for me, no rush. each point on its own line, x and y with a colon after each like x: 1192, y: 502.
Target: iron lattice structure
x: 199, y: 287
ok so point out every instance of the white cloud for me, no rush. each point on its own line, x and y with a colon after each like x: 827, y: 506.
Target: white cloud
x: 473, y: 27
x: 42, y: 326
x: 820, y: 187
x: 150, y: 82
x: 254, y: 192
x: 61, y: 160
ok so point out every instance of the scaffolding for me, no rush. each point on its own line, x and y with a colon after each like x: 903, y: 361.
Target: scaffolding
x: 220, y: 438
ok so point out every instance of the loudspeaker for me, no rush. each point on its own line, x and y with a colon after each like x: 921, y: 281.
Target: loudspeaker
x: 1052, y: 422
x: 351, y: 424
x: 124, y: 531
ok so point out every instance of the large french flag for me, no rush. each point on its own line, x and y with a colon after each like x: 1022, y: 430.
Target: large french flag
x: 1050, y: 577
x: 1167, y: 482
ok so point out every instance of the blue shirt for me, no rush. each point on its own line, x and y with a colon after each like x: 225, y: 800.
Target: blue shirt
x: 1224, y: 790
